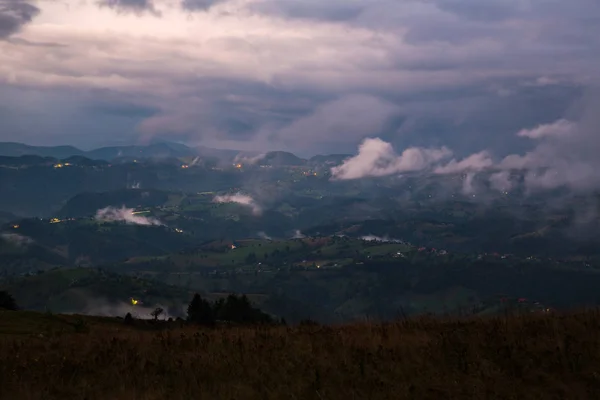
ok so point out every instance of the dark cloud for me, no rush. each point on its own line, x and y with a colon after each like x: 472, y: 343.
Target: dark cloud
x: 199, y: 5
x: 478, y: 10
x: 14, y: 14
x: 137, y: 7
x: 468, y: 74
x: 331, y: 10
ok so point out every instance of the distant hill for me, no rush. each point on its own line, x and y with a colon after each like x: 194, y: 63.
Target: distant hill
x: 21, y: 254
x: 93, y: 291
x: 156, y: 150
x: 87, y: 242
x: 162, y: 150
x: 334, y: 159
x: 84, y: 161
x: 6, y: 216
x: 13, y: 149
x: 281, y: 158
x: 27, y: 160
x: 86, y: 204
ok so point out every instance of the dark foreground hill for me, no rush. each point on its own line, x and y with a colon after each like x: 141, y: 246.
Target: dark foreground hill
x: 541, y: 356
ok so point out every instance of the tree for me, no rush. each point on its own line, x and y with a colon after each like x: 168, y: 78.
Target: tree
x: 239, y: 309
x: 7, y: 302
x: 200, y: 311
x: 128, y: 320
x: 157, y: 311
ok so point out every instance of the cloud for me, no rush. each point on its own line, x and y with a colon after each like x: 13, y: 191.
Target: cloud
x: 14, y: 14
x: 199, y: 5
x: 302, y: 75
x: 248, y: 160
x: 373, y: 238
x: 298, y: 235
x: 564, y: 155
x: 16, y: 239
x: 137, y: 7
x: 559, y: 128
x: 501, y: 181
x: 263, y: 235
x: 566, y: 151
x: 346, y: 119
x: 474, y: 162
x: 240, y: 198
x: 377, y: 158
x: 112, y: 214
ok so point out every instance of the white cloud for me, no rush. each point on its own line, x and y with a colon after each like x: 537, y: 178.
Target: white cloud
x: 474, y: 162
x: 377, y: 158
x: 501, y: 181
x: 298, y: 234
x: 559, y: 128
x: 240, y: 198
x: 373, y: 238
x: 123, y: 214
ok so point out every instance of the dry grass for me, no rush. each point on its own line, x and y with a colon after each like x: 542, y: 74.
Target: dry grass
x: 519, y: 357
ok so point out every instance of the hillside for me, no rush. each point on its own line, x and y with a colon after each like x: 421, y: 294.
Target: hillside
x: 94, y: 291
x: 534, y: 356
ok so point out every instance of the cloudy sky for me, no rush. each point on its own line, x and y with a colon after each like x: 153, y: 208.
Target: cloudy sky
x: 310, y: 76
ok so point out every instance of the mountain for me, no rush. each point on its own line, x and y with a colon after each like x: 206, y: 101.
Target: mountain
x: 13, y: 149
x: 87, y: 203
x: 157, y: 150
x: 281, y: 158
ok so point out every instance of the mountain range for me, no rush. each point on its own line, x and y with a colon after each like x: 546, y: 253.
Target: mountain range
x: 162, y: 150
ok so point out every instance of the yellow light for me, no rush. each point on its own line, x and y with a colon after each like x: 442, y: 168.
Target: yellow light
x: 133, y: 301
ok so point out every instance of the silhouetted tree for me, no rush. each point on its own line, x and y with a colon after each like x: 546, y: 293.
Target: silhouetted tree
x: 128, y: 320
x: 7, y: 302
x: 156, y: 313
x: 238, y: 309
x: 200, y: 311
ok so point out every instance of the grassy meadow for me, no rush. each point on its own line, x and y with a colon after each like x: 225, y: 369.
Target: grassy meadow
x: 542, y: 356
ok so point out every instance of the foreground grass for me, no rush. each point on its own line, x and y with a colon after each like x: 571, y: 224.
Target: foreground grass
x: 518, y: 357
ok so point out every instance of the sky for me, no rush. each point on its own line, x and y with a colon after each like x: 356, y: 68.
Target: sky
x: 494, y: 82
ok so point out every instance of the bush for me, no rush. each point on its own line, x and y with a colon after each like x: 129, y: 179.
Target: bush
x: 7, y: 302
